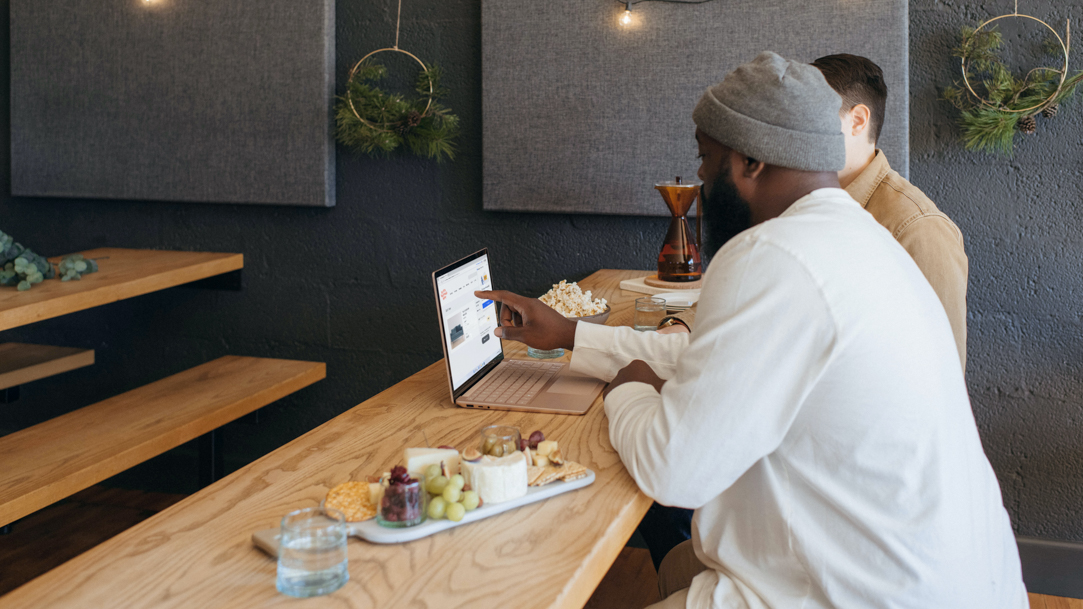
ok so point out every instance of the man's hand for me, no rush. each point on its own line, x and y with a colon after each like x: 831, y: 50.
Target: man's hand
x: 636, y: 372
x: 531, y: 321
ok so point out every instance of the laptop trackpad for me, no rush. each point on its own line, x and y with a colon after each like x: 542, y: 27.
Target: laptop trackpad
x: 573, y: 385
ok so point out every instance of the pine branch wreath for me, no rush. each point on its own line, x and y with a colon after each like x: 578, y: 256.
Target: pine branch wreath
x: 1008, y: 104
x: 384, y: 123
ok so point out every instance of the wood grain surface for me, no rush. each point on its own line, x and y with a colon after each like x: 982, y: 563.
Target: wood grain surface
x: 198, y: 553
x: 51, y: 460
x: 22, y: 363
x: 123, y: 273
x: 1040, y: 601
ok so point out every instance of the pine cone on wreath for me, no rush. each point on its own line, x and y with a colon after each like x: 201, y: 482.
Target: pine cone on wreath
x: 1050, y: 111
x: 1027, y: 125
x: 413, y: 119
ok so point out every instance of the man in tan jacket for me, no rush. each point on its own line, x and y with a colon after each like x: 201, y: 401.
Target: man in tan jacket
x: 931, y: 238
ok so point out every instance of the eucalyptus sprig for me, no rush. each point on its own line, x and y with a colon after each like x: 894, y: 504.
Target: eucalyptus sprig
x: 1001, y: 103
x: 392, y: 121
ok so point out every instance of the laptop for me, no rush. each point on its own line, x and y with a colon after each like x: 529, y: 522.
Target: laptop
x: 479, y: 375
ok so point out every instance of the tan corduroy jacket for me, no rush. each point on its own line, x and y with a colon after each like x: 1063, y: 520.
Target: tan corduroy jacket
x: 930, y: 237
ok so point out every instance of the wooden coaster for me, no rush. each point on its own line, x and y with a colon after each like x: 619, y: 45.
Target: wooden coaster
x: 655, y: 282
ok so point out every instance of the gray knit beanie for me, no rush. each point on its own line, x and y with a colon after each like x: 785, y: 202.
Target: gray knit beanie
x: 777, y: 111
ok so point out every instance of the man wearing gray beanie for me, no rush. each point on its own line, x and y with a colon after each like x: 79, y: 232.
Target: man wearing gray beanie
x: 816, y: 418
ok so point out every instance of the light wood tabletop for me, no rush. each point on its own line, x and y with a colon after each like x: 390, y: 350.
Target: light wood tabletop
x: 123, y: 273
x: 198, y: 553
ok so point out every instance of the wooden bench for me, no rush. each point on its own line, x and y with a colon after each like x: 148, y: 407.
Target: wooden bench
x: 22, y: 363
x: 52, y: 460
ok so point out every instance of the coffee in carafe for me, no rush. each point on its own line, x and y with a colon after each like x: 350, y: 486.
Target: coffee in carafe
x: 679, y: 260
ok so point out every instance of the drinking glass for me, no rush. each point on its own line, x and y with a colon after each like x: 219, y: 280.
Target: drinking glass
x: 544, y: 353
x: 649, y: 313
x: 312, y: 553
x: 499, y: 440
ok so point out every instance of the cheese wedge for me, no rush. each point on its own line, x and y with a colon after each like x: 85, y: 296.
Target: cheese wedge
x: 417, y: 459
x: 376, y: 493
x: 546, y: 446
x: 497, y: 479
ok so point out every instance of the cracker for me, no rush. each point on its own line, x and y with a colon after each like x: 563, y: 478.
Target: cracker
x: 573, y: 471
x: 534, y: 472
x: 353, y: 500
x: 550, y: 474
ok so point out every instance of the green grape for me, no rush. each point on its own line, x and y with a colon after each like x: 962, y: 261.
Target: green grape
x: 455, y: 512
x: 24, y: 285
x: 437, y: 507
x: 457, y: 481
x: 436, y: 485
x: 452, y: 494
x: 432, y: 471
x: 80, y: 266
x: 471, y: 500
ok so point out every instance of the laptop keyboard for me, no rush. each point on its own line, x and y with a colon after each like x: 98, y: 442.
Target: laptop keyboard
x: 516, y: 382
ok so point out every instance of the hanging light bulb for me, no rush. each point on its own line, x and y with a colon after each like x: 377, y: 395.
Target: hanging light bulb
x: 626, y: 18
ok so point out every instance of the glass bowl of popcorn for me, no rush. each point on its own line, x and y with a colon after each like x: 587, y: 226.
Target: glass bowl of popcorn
x: 571, y: 302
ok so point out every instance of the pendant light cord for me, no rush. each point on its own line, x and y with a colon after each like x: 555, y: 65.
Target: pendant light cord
x: 398, y: 19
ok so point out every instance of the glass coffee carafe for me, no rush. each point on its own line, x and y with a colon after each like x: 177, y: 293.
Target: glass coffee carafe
x: 679, y: 260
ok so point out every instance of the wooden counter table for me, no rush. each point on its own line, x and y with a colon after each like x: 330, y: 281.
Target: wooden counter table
x: 198, y: 553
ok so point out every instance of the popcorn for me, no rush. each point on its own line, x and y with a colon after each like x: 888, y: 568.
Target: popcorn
x: 570, y: 301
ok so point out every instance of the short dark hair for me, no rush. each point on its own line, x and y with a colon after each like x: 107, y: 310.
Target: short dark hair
x: 858, y: 81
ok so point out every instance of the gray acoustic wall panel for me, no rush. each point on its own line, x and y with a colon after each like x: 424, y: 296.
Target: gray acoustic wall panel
x: 583, y: 114
x: 179, y: 100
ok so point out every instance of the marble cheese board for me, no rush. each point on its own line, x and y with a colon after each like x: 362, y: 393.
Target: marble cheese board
x: 369, y: 530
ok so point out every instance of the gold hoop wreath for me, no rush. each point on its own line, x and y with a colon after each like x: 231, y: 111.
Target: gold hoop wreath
x: 1065, y: 45
x: 422, y: 125
x: 989, y: 122
x: 395, y: 49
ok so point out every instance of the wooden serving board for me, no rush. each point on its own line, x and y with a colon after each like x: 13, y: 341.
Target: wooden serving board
x: 371, y: 531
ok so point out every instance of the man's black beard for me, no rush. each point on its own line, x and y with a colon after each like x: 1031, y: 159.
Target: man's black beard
x: 725, y: 214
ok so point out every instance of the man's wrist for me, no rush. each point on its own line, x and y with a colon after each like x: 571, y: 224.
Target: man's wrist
x: 568, y: 334
x: 673, y: 321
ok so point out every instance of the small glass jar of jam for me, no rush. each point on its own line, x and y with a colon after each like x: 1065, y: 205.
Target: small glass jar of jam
x: 404, y: 500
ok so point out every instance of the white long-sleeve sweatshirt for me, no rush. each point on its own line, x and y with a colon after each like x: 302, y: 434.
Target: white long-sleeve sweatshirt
x: 818, y: 422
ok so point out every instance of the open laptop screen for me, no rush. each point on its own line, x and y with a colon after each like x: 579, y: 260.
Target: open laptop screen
x: 468, y: 322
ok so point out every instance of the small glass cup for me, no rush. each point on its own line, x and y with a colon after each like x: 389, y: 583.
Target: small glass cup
x: 403, y: 505
x: 650, y: 311
x: 499, y: 440
x: 544, y: 353
x: 312, y: 553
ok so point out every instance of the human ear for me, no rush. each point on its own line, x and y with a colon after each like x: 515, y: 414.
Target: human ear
x: 751, y: 169
x: 859, y: 120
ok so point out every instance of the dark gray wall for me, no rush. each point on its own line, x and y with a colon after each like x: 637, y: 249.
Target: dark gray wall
x: 1021, y: 220
x: 348, y: 285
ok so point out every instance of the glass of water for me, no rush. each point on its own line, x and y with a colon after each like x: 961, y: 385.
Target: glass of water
x: 649, y: 313
x: 312, y: 553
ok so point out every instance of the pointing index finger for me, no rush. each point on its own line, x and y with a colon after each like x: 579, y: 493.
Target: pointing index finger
x: 502, y: 296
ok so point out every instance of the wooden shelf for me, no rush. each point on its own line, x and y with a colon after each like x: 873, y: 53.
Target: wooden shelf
x: 52, y: 460
x: 123, y: 273
x: 22, y: 363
